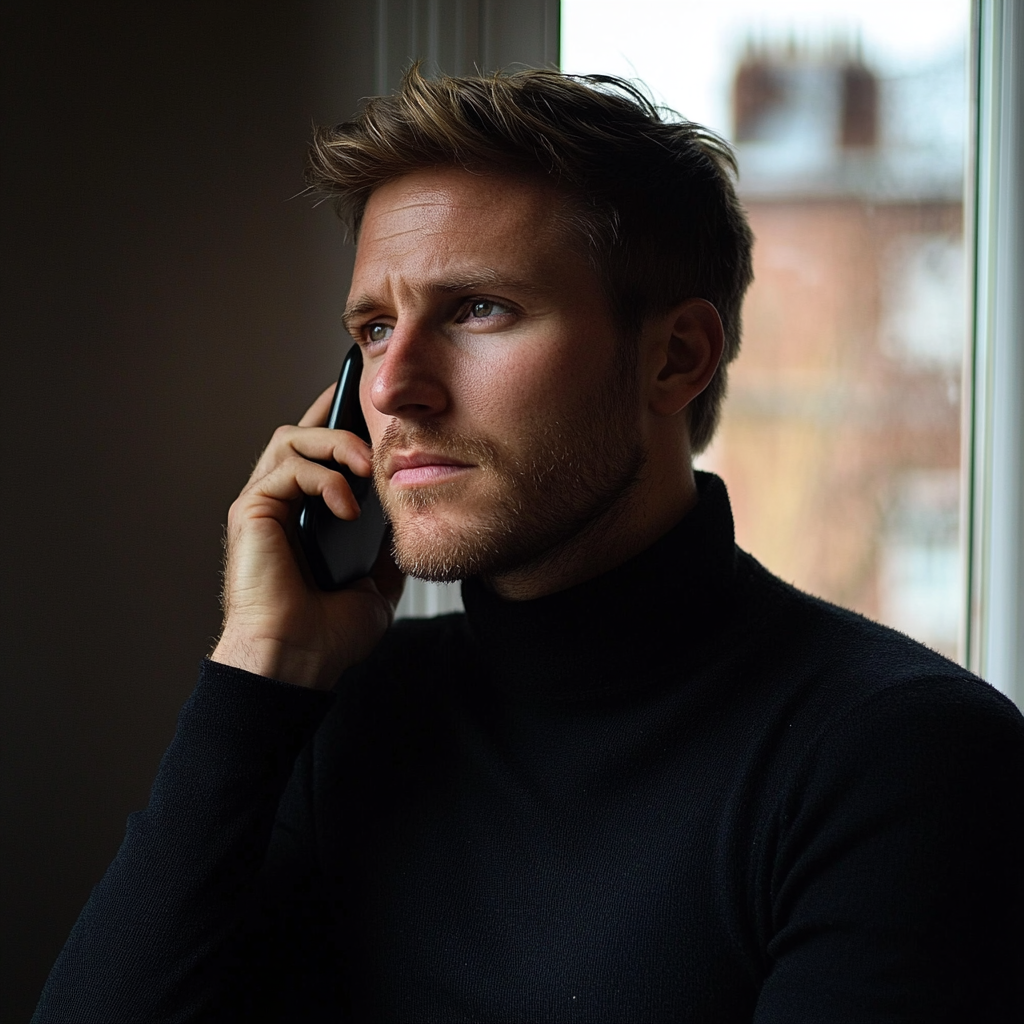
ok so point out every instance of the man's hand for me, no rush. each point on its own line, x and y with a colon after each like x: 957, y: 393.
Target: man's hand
x: 277, y: 622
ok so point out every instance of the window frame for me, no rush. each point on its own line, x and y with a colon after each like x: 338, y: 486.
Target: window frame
x: 994, y: 379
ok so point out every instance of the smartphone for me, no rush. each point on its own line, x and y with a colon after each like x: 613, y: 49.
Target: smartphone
x: 340, y: 551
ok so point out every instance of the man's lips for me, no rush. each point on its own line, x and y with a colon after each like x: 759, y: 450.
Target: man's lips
x: 423, y: 468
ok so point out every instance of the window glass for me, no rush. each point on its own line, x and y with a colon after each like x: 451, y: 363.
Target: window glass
x: 840, y: 440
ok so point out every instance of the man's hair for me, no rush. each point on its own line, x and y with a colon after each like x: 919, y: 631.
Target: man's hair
x: 651, y: 198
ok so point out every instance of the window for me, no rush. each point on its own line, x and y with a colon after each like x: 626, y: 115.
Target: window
x: 841, y: 437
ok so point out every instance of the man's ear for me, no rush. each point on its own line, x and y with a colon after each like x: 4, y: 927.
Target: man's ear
x: 686, y: 346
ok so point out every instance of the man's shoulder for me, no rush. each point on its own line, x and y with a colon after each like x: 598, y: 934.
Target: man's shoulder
x: 836, y: 661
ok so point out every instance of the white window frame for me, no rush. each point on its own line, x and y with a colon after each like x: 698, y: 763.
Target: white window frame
x: 463, y: 36
x: 994, y: 440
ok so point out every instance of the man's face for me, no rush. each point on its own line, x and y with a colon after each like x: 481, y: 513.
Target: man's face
x: 497, y: 391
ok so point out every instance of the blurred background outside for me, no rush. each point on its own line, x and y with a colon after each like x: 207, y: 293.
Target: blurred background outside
x: 840, y: 441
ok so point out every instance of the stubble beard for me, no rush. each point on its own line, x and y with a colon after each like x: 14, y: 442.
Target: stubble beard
x: 527, y: 498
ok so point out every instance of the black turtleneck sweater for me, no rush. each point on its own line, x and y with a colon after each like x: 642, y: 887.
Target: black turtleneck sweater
x: 683, y: 791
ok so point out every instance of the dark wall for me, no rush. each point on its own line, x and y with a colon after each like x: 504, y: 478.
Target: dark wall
x: 166, y: 304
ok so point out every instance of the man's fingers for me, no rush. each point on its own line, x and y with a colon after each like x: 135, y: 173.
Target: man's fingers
x: 315, y: 443
x: 296, y: 477
x: 316, y: 414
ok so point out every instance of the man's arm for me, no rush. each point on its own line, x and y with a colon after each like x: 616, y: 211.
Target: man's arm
x: 166, y: 934
x: 160, y: 938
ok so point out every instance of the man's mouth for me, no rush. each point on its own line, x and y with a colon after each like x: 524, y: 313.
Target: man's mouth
x: 421, y: 468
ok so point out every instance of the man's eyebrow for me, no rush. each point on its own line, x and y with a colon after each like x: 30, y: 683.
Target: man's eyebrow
x: 486, y: 279
x: 357, y: 309
x: 483, y: 280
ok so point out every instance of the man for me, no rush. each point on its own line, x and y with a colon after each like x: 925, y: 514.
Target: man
x: 641, y: 779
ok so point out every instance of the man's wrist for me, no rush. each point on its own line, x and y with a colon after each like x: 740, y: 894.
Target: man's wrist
x: 275, y: 660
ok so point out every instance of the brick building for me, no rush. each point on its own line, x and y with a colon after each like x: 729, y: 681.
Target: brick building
x: 841, y: 434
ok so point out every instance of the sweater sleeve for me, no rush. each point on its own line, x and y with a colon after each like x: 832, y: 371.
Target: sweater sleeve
x: 897, y: 893
x: 163, y: 933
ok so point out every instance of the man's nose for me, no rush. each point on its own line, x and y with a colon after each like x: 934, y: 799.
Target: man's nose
x: 409, y: 382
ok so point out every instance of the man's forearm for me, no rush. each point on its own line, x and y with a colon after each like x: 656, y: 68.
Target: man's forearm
x: 182, y: 880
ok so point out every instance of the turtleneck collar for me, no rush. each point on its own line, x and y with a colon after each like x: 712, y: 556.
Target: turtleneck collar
x: 603, y: 636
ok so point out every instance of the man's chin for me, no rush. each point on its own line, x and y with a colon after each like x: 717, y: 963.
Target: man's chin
x: 441, y: 557
x: 442, y: 543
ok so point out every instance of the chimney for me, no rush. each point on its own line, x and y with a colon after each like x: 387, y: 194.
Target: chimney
x: 858, y: 124
x: 758, y: 89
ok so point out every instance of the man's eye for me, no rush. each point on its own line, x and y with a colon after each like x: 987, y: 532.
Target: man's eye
x: 378, y: 332
x: 483, y: 308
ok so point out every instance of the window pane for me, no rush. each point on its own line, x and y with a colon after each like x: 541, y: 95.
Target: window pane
x: 840, y: 440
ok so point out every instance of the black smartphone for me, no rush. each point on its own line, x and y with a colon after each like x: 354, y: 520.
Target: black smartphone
x: 339, y: 551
